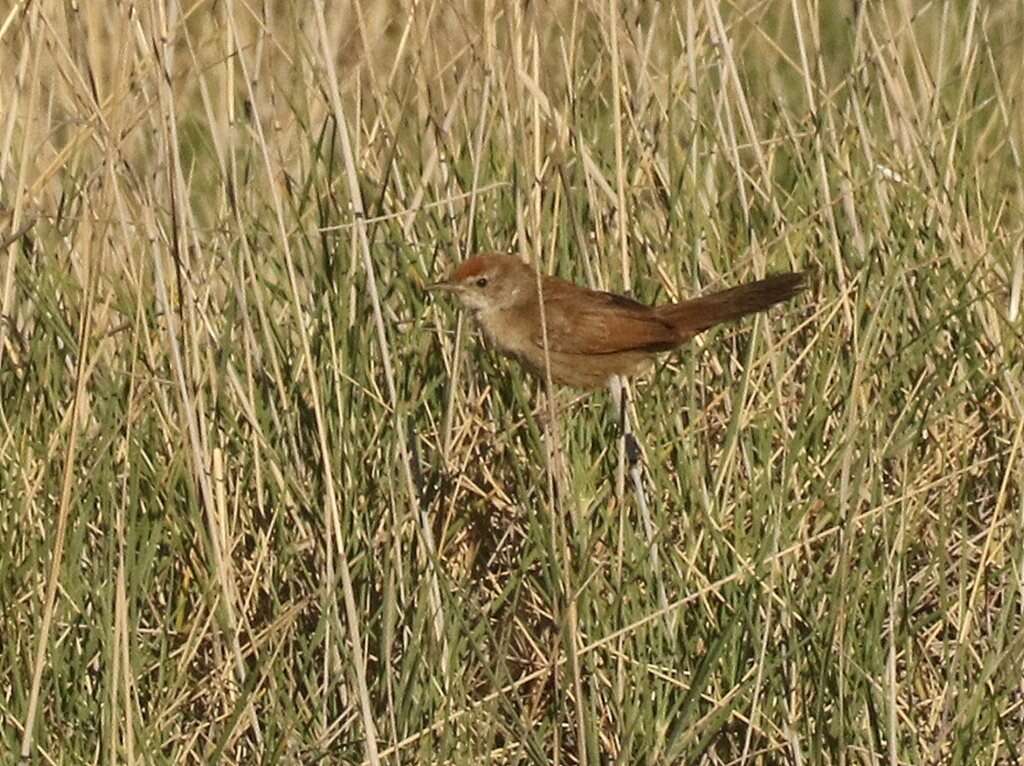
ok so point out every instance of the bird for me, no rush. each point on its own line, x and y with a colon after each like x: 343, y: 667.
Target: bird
x: 586, y: 337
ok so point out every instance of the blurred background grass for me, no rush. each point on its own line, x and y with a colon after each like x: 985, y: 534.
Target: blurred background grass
x: 264, y: 502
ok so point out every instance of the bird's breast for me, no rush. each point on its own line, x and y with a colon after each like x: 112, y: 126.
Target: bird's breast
x: 505, y: 331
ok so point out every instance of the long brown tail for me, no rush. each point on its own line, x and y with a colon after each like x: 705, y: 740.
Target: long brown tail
x: 694, y: 316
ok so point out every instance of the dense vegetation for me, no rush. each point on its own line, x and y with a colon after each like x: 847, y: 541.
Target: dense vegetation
x: 264, y: 501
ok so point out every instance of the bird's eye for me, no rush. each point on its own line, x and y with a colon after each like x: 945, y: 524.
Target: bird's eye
x: 482, y: 282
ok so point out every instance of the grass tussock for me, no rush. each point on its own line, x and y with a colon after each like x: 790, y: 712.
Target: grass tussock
x: 263, y: 501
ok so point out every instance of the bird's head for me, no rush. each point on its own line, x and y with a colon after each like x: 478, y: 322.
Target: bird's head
x: 490, y: 282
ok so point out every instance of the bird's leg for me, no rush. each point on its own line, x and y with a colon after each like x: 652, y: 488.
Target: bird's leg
x: 615, y: 388
x: 630, y: 457
x: 620, y: 398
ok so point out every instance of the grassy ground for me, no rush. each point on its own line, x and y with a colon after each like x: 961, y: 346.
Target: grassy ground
x: 264, y: 501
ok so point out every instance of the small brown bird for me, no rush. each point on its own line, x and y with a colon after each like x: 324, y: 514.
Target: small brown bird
x: 592, y: 335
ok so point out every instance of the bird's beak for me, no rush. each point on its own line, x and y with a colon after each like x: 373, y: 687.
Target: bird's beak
x: 446, y: 287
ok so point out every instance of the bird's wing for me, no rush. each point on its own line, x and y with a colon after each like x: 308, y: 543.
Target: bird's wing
x: 581, y: 321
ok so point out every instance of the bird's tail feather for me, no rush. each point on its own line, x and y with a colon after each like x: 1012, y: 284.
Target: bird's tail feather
x: 694, y: 316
